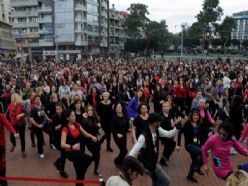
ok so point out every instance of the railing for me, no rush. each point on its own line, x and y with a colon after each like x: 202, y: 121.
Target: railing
x: 24, y: 14
x: 45, y: 20
x: 45, y: 9
x: 17, y: 3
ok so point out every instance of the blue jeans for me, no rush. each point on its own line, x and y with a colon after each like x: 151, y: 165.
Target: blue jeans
x: 159, y: 177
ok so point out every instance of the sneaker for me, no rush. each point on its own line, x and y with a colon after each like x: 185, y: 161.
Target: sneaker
x: 192, y: 179
x: 63, y: 174
x: 24, y: 155
x: 56, y: 164
x: 52, y: 146
x: 12, y: 149
x: 42, y: 156
x: 97, y: 173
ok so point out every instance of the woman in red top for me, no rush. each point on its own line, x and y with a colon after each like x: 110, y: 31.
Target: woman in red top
x: 6, y: 123
x: 180, y: 94
x: 70, y: 141
x: 17, y: 117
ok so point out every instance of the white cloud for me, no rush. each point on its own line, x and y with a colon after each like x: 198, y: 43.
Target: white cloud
x: 176, y: 12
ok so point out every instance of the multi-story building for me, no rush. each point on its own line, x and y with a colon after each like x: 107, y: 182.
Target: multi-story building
x: 241, y: 30
x: 7, y: 43
x: 116, y: 31
x: 74, y: 28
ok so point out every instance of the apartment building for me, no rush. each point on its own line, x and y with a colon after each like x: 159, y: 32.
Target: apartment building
x: 7, y: 43
x: 116, y: 31
x: 241, y: 30
x: 67, y: 29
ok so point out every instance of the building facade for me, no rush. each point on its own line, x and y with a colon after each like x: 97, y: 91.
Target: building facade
x: 117, y: 35
x: 241, y: 30
x: 67, y: 29
x: 7, y: 43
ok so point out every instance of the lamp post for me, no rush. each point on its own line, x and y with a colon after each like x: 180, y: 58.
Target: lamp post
x: 57, y: 48
x: 181, y: 55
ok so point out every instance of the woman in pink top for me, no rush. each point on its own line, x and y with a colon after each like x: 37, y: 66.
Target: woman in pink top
x: 220, y: 145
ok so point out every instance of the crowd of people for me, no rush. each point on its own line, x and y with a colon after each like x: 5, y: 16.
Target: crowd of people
x: 204, y: 100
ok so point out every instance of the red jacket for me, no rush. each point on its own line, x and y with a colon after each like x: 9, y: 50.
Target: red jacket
x: 14, y: 111
x: 179, y: 92
x: 6, y: 123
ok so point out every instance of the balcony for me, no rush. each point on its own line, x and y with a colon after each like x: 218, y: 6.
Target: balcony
x: 44, y: 31
x: 25, y: 25
x: 80, y: 19
x: 33, y: 45
x: 17, y: 14
x: 46, y: 42
x: 19, y: 3
x: 45, y: 9
x: 45, y: 20
x: 81, y: 43
x: 80, y: 7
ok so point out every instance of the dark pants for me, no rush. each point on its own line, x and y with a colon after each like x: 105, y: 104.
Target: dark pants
x: 40, y: 138
x: 81, y: 162
x: 3, y: 164
x: 48, y: 130
x: 62, y: 159
x: 122, y: 145
x: 21, y: 130
x: 94, y: 148
x: 180, y: 102
x: 195, y: 152
x: 169, y: 147
x: 107, y: 135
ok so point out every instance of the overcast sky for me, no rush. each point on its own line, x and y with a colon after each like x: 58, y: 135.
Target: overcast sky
x: 176, y: 12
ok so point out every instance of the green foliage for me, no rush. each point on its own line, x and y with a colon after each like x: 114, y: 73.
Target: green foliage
x: 211, y: 13
x: 235, y: 42
x: 136, y: 20
x: 245, y: 43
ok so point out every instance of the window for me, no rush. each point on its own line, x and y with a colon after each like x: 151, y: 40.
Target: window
x: 21, y: 20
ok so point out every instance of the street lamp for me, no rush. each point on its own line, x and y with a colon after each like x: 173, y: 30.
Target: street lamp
x: 181, y: 55
x: 57, y: 48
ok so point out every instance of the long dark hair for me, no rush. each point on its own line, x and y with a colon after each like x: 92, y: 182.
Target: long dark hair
x: 227, y: 126
x: 65, y: 115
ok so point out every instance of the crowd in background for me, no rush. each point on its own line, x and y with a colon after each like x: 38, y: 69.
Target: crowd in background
x: 71, y: 102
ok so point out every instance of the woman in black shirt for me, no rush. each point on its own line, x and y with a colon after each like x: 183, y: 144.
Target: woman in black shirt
x: 105, y: 112
x: 192, y: 143
x: 140, y: 122
x: 167, y: 124
x: 91, y: 125
x: 119, y: 129
x: 57, y: 121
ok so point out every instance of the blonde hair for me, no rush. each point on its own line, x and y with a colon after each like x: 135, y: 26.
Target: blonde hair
x: 16, y: 98
x: 238, y: 178
x: 106, y: 94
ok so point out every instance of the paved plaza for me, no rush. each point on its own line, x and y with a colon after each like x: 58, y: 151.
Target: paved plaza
x: 33, y: 166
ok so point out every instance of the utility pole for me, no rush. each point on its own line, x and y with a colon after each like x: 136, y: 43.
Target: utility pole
x: 57, y: 48
x: 181, y: 55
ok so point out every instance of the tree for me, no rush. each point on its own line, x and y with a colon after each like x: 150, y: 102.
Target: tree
x: 207, y: 18
x: 245, y: 43
x: 235, y: 42
x: 193, y: 35
x: 157, y: 35
x: 137, y: 20
x: 225, y: 29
